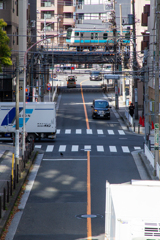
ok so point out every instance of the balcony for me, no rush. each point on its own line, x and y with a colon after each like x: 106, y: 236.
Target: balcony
x: 68, y: 9
x: 68, y: 21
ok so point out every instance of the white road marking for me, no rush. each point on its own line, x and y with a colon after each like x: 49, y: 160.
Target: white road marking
x: 62, y: 148
x: 64, y: 159
x: 110, y: 132
x: 121, y: 132
x: 58, y: 131
x: 38, y: 146
x: 100, y: 148
x: 113, y: 148
x: 99, y: 131
x: 125, y: 149
x: 87, y: 148
x: 74, y: 148
x: 49, y: 148
x: 68, y: 131
x: 78, y: 131
x: 137, y: 148
x: 89, y: 131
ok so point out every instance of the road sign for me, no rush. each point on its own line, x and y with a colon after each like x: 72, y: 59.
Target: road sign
x: 54, y: 75
x: 156, y: 136
x: 48, y: 84
x: 48, y: 88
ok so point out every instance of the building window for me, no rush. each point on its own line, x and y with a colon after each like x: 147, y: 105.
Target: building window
x: 68, y: 15
x: 96, y: 35
x: 76, y: 34
x: 47, y: 3
x: 1, y: 5
x: 81, y: 35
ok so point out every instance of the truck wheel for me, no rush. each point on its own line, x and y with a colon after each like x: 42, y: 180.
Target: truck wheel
x: 31, y: 137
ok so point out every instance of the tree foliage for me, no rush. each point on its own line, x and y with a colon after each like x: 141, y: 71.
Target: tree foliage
x: 5, y: 51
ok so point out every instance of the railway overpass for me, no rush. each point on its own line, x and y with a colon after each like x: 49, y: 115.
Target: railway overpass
x: 84, y: 57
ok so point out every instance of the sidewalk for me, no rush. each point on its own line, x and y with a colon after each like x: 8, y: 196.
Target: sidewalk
x: 136, y: 130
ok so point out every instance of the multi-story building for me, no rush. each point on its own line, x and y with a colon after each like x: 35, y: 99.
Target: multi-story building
x: 149, y: 43
x: 14, y: 13
x: 140, y: 32
x: 9, y: 13
x: 53, y: 18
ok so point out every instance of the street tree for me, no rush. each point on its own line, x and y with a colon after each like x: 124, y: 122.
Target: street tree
x: 5, y: 51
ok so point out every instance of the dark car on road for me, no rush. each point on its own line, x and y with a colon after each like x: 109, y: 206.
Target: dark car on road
x: 100, y: 108
x: 95, y: 76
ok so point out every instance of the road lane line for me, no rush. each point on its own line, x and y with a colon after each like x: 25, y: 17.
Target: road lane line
x: 125, y: 149
x: 37, y: 146
x: 74, y: 148
x: 99, y: 131
x: 68, y: 131
x: 64, y: 159
x: 62, y: 148
x: 100, y: 149
x: 89, y: 224
x: 110, y: 132
x: 78, y: 131
x: 121, y: 132
x: 49, y: 148
x: 113, y: 148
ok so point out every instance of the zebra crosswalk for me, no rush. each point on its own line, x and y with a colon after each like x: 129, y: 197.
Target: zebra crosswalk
x: 77, y: 148
x: 90, y: 131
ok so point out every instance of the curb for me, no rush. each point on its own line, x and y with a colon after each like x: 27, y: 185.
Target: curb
x: 16, y: 192
x: 148, y: 166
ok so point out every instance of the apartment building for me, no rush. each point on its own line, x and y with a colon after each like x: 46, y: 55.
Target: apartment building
x: 9, y: 12
x: 54, y: 17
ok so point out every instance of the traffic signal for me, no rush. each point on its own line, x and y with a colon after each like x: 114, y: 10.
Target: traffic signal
x: 27, y: 94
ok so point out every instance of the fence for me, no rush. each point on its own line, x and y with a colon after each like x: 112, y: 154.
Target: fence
x: 10, y: 184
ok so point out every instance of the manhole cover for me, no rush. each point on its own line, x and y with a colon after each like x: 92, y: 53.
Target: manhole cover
x: 84, y: 216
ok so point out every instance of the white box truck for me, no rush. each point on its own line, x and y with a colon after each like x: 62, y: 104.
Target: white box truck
x: 40, y: 119
x: 133, y: 211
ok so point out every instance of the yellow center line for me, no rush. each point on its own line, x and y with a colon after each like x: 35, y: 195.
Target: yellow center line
x: 89, y: 224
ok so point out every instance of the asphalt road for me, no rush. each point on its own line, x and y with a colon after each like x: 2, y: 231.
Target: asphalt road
x: 67, y: 200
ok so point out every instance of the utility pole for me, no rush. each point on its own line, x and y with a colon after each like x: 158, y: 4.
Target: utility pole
x: 135, y: 66
x: 17, y: 117
x: 146, y: 108
x: 115, y: 58
x: 156, y: 127
x: 122, y: 58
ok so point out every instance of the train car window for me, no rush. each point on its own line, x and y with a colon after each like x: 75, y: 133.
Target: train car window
x: 81, y: 35
x: 92, y: 35
x: 96, y: 35
x: 76, y: 34
x: 105, y: 35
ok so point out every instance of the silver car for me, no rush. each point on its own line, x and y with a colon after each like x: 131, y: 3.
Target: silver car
x: 95, y: 76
